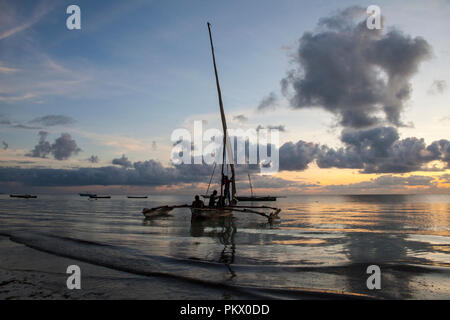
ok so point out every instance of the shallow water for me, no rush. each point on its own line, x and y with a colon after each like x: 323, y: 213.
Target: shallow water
x: 320, y: 242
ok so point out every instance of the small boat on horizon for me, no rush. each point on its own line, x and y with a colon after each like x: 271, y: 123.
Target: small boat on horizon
x: 87, y: 194
x: 99, y: 197
x: 24, y: 196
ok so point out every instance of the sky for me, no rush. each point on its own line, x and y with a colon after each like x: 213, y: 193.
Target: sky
x: 359, y: 110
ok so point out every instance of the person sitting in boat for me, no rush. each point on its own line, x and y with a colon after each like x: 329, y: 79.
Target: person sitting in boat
x: 220, y: 202
x: 212, y: 199
x: 197, y: 203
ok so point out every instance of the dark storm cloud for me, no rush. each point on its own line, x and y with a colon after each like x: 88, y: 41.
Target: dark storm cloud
x: 93, y: 159
x: 297, y: 156
x: 150, y: 173
x: 122, y: 161
x: 379, y: 150
x: 353, y: 72
x: 63, y: 147
x: 53, y: 120
x: 268, y: 102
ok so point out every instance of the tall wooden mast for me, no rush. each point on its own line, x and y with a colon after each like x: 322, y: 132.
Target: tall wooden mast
x: 226, y: 142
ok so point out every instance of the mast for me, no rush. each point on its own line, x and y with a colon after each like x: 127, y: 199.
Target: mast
x: 250, y: 181
x: 226, y: 144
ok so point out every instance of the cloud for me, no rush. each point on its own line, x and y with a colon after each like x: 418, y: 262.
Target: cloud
x: 384, y: 184
x: 43, y: 148
x: 297, y: 157
x: 438, y: 87
x: 280, y: 127
x: 24, y: 126
x: 15, y: 98
x: 445, y: 178
x: 7, y: 70
x: 8, y: 15
x: 144, y: 173
x: 93, y: 159
x: 63, y: 148
x: 53, y: 120
x: 269, y: 102
x: 7, y: 122
x: 5, y: 145
x: 240, y: 118
x: 379, y: 150
x: 353, y: 72
x: 123, y: 162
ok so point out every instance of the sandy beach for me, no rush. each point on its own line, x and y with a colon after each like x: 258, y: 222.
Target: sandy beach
x: 27, y: 273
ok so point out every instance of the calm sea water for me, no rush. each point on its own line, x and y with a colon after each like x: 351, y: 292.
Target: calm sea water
x: 320, y: 242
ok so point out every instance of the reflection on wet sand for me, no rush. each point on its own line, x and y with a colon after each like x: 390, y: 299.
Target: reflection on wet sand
x: 223, y: 229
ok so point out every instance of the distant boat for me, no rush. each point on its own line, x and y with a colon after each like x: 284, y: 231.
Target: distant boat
x: 137, y: 197
x: 24, y: 196
x: 87, y: 194
x: 99, y: 197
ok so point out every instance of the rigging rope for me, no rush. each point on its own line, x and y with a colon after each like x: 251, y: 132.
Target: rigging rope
x: 207, y: 190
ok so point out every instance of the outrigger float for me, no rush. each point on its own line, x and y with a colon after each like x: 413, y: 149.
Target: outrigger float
x: 227, y: 209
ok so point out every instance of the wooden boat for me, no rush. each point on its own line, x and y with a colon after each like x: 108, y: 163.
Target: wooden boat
x: 137, y: 197
x: 99, y: 197
x: 24, y: 196
x: 208, y: 213
x: 230, y: 206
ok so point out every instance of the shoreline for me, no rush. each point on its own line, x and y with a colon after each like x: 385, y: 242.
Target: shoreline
x: 30, y: 274
x: 27, y: 273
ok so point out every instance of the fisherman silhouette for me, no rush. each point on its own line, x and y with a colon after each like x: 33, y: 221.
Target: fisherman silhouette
x: 212, y: 199
x: 197, y: 203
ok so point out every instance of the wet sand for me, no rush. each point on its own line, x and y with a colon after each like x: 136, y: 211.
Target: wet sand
x: 27, y: 273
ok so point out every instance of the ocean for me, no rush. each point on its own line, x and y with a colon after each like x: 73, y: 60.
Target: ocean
x: 320, y: 247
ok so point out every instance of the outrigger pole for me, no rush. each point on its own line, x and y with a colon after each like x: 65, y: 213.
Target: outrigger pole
x: 226, y: 146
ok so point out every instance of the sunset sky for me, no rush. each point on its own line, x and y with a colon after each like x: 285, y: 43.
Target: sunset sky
x: 359, y: 110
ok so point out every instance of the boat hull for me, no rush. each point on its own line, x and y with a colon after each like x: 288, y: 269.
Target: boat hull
x: 87, y: 194
x: 209, y: 213
x: 23, y: 196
